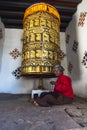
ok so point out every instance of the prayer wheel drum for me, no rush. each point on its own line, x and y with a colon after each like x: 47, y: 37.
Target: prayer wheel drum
x: 41, y: 40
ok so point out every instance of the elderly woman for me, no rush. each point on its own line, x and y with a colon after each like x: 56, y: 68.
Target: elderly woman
x: 62, y: 93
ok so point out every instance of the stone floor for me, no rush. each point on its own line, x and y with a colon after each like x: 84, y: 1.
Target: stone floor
x: 18, y: 113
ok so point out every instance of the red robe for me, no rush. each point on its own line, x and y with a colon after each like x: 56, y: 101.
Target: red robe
x: 64, y: 86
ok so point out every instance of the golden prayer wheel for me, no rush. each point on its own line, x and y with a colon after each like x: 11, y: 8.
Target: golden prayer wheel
x: 41, y: 40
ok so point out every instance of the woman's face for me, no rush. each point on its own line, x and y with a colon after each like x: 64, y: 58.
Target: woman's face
x: 56, y: 71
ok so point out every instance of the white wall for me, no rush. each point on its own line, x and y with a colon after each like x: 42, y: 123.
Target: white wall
x: 78, y: 33
x: 8, y: 82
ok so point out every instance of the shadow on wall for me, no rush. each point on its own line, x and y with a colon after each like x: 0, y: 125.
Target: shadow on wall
x: 2, y: 36
x: 72, y: 50
x: 29, y: 83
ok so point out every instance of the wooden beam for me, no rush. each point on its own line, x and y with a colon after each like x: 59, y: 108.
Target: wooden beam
x: 11, y: 14
x: 19, y: 14
x: 23, y: 5
x: 8, y: 18
x: 17, y: 22
x: 58, y: 2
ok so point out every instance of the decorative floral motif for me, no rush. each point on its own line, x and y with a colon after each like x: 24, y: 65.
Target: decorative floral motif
x: 17, y: 73
x: 75, y: 46
x: 82, y: 18
x: 84, y: 61
x: 70, y: 67
x: 67, y: 38
x: 61, y: 54
x: 15, y: 53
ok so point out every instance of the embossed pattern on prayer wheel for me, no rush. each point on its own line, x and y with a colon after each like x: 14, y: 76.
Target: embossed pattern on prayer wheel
x: 41, y: 39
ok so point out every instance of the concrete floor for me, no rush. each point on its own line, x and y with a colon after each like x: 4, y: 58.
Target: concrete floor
x: 18, y: 113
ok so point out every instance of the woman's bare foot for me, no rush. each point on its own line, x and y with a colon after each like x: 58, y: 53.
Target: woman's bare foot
x: 35, y: 103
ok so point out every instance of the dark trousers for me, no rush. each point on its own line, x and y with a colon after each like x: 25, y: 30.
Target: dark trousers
x: 49, y: 98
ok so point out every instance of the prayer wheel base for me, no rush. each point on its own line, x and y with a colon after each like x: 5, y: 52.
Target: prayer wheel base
x: 41, y: 83
x: 38, y: 75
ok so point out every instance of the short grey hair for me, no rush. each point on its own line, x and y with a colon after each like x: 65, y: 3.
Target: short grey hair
x: 59, y: 67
